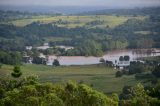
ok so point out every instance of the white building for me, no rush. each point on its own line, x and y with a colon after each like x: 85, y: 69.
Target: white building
x: 44, y: 47
x: 50, y: 59
x: 41, y: 55
x: 27, y: 59
x: 65, y: 47
x: 28, y: 47
x: 45, y: 44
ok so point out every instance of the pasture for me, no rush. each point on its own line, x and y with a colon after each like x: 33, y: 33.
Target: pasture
x: 56, y: 39
x: 100, y: 77
x: 78, y: 21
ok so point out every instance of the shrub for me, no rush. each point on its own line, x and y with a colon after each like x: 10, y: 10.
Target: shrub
x: 125, y: 72
x: 136, y: 67
x: 119, y: 74
x: 0, y: 65
x: 156, y: 71
x: 16, y: 72
x: 126, y: 58
x: 121, y: 58
x: 56, y: 63
x: 102, y: 60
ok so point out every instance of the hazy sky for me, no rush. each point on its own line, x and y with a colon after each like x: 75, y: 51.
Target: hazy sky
x: 109, y: 3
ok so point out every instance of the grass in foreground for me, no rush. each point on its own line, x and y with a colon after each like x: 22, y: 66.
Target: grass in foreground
x: 102, y: 78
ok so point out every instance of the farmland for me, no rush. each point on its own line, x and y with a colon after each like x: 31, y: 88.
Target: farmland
x: 100, y: 77
x: 78, y: 21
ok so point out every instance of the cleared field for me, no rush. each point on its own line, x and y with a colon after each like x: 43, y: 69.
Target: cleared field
x: 55, y: 39
x: 102, y: 78
x: 74, y: 21
x: 143, y: 32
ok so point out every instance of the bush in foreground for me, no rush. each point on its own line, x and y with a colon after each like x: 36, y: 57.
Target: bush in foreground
x: 16, y: 72
x: 137, y: 96
x: 48, y: 94
x: 0, y: 65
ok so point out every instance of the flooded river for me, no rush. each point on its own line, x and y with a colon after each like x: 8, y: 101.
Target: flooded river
x: 113, y: 56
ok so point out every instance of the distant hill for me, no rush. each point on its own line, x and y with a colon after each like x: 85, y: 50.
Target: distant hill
x: 52, y: 9
x: 135, y: 11
x: 82, y: 10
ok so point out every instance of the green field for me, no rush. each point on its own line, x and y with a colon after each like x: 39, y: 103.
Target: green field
x: 55, y: 39
x: 75, y: 21
x: 101, y: 77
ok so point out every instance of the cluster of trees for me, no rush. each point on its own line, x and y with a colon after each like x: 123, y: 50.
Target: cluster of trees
x: 7, y: 16
x: 60, y: 21
x: 156, y: 71
x: 56, y: 62
x: 136, y: 67
x: 124, y: 58
x: 12, y: 58
x: 40, y: 60
x: 87, y: 48
x: 106, y: 62
x: 139, y: 96
x: 97, y: 22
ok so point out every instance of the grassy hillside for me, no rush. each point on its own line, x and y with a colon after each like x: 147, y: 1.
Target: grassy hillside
x: 75, y: 21
x: 100, y: 77
x: 55, y: 39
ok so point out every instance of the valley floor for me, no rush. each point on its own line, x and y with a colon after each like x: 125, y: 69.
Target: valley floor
x: 100, y: 77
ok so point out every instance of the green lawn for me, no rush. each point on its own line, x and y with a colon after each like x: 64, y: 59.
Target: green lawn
x: 55, y: 39
x: 75, y: 21
x: 101, y: 77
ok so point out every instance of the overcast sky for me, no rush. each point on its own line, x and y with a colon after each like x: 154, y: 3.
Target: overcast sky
x: 109, y: 3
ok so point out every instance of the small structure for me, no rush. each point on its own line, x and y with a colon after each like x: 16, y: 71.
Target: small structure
x: 45, y: 44
x: 121, y: 68
x: 123, y: 61
x: 28, y: 47
x: 41, y: 55
x: 65, y: 47
x: 44, y: 47
x: 27, y: 59
x: 50, y: 59
x: 141, y: 61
